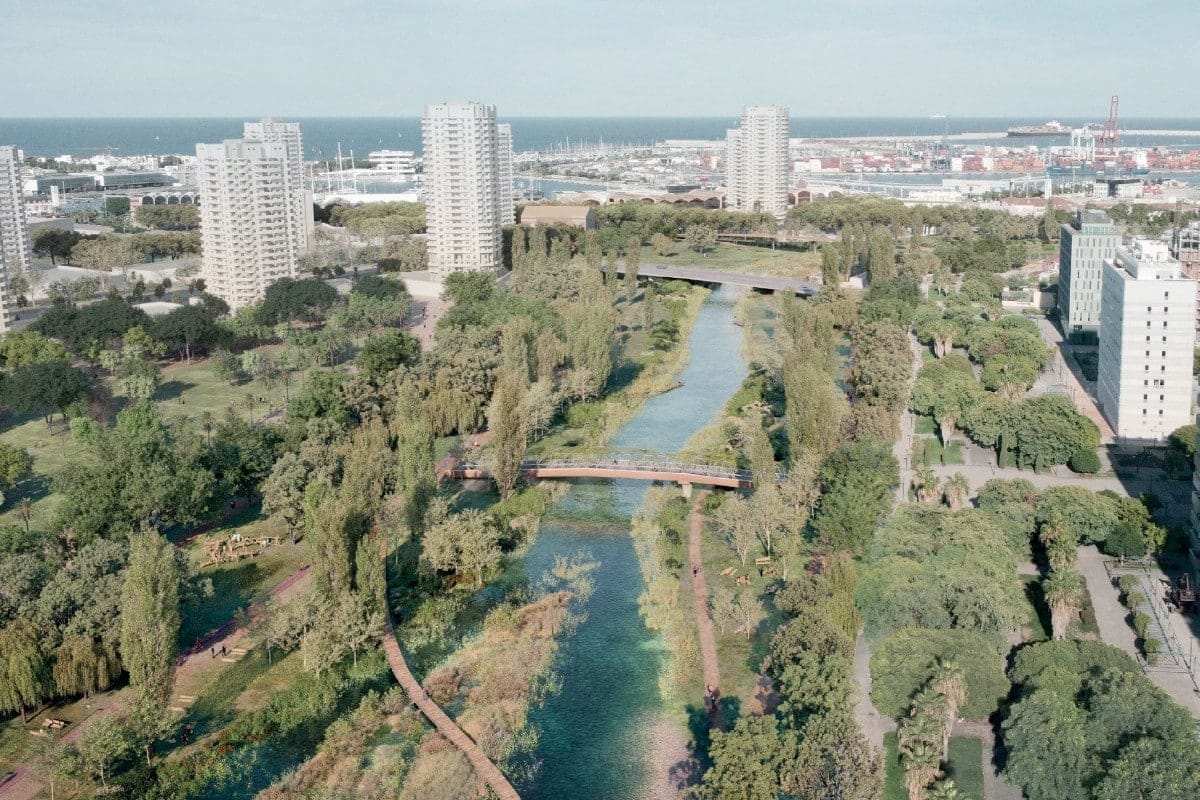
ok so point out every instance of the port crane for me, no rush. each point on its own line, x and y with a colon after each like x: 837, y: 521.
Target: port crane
x: 1109, y: 138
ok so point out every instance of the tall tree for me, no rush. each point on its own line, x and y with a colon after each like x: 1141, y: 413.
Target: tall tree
x: 509, y: 434
x: 22, y: 666
x: 150, y: 614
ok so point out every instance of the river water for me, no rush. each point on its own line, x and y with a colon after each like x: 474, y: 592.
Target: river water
x: 597, y: 734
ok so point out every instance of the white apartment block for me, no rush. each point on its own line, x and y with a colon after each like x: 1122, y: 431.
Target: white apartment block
x: 1147, y: 340
x: 464, y: 197
x: 1084, y: 245
x: 248, y: 225
x: 15, y: 256
x: 271, y: 130
x: 757, y: 162
x: 395, y: 162
x: 504, y: 149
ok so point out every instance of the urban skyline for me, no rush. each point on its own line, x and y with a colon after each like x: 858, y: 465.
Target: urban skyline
x: 962, y: 62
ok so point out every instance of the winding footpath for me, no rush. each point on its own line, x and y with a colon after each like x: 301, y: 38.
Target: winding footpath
x: 704, y: 624
x: 484, y: 767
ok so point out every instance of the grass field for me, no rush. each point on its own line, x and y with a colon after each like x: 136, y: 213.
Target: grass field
x: 964, y: 765
x: 740, y: 258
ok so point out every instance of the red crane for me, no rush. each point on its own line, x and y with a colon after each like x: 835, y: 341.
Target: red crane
x: 1110, y: 138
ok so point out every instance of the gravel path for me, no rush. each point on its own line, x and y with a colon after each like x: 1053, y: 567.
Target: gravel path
x: 704, y: 625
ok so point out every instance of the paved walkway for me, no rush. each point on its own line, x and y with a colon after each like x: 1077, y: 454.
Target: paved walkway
x: 1061, y: 365
x: 1114, y: 630
x: 874, y: 725
x: 704, y: 624
x: 484, y: 767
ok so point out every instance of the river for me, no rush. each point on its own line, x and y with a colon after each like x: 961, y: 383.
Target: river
x: 598, y: 734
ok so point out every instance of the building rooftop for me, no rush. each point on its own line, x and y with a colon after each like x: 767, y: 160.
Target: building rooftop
x: 548, y: 213
x: 1146, y: 260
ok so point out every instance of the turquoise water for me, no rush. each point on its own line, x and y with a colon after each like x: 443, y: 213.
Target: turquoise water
x: 594, y: 733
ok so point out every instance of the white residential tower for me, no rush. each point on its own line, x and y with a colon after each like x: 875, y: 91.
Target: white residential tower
x: 248, y: 224
x: 468, y: 186
x: 15, y: 256
x: 271, y: 130
x: 1147, y: 340
x: 756, y: 162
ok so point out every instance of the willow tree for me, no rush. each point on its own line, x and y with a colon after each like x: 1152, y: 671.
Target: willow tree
x: 22, y: 667
x: 150, y: 614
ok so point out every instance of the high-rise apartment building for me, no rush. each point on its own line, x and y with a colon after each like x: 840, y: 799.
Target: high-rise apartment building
x: 248, y: 225
x: 468, y: 186
x: 1084, y: 244
x: 504, y: 149
x: 288, y: 134
x: 757, y: 162
x: 1147, y: 340
x: 15, y: 255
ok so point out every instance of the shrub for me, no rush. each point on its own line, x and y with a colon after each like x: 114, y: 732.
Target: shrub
x: 1140, y: 622
x: 1127, y: 583
x: 1085, y: 462
x: 1126, y: 541
x: 1151, y: 647
x: 1133, y: 599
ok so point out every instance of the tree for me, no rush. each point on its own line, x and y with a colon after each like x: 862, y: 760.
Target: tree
x: 1047, y: 735
x: 21, y: 348
x: 15, y: 465
x: 104, y: 745
x: 45, y: 387
x: 188, y: 328
x: 737, y: 526
x: 663, y: 245
x: 386, y: 351
x: 920, y: 753
x: 633, y: 260
x: 745, y: 761
x: 1064, y: 595
x: 283, y: 492
x: 510, y: 436
x: 463, y: 543
x: 815, y: 408
x: 150, y: 617
x: 911, y: 658
x: 1153, y: 768
x: 22, y: 666
x: 83, y: 665
x: 701, y: 238
x: 56, y: 243
x: 856, y: 483
x: 834, y: 760
x: 957, y: 490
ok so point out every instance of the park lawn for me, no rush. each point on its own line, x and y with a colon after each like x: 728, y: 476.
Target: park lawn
x: 964, y: 765
x: 238, y: 584
x: 192, y: 389
x: 739, y: 258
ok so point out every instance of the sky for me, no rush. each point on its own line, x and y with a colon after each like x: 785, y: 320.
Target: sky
x: 114, y: 58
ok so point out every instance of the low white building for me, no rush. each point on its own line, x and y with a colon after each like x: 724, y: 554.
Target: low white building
x: 1147, y: 341
x: 396, y: 162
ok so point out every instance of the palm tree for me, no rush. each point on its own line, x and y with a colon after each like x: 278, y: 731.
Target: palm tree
x: 958, y: 488
x: 922, y: 765
x: 926, y: 485
x: 1064, y: 594
x: 932, y: 704
x: 949, y: 682
x: 945, y: 790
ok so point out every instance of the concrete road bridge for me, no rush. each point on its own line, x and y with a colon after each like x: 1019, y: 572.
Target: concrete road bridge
x: 618, y: 466
x: 763, y: 283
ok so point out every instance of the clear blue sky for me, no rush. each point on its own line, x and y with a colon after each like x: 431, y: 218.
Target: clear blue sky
x: 598, y: 57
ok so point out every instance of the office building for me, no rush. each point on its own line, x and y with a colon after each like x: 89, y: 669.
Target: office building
x: 504, y: 149
x: 466, y: 188
x: 248, y: 225
x: 1083, y: 246
x: 1185, y: 246
x: 15, y: 256
x: 299, y: 197
x: 757, y: 163
x: 1147, y: 340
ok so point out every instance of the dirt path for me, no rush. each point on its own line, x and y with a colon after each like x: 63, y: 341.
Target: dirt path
x: 874, y: 725
x: 704, y: 625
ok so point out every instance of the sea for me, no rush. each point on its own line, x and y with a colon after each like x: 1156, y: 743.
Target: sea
x: 86, y: 137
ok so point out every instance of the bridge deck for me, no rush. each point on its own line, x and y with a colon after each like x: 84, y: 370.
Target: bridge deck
x: 769, y: 283
x: 617, y: 468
